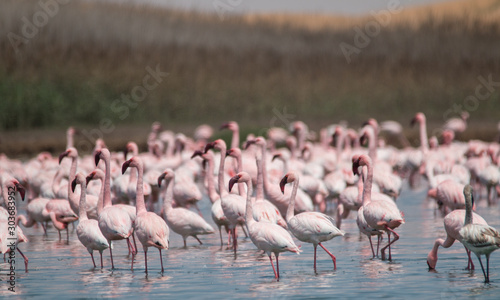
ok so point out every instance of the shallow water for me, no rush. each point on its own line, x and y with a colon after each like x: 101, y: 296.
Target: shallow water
x: 62, y: 269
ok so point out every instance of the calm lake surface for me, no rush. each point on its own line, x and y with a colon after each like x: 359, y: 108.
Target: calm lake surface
x: 209, y: 271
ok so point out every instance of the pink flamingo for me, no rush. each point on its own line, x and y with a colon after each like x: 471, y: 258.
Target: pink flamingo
x: 98, y: 174
x: 268, y: 237
x: 448, y: 195
x: 379, y: 215
x: 151, y: 229
x: 114, y: 222
x: 453, y: 222
x: 181, y: 220
x: 88, y: 231
x: 309, y: 227
x: 478, y: 238
x: 232, y: 205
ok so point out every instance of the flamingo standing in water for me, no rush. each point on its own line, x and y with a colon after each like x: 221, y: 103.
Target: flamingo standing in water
x: 151, y: 229
x: 88, y: 231
x: 478, y: 238
x: 232, y: 205
x: 379, y: 215
x: 268, y: 237
x: 309, y: 227
x: 453, y: 222
x: 181, y: 220
x: 114, y: 222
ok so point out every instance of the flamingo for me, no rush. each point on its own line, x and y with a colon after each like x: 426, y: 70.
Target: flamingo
x: 151, y: 229
x: 478, y: 238
x: 268, y: 237
x: 379, y: 215
x: 98, y: 174
x: 88, y: 231
x: 182, y: 221
x: 309, y: 227
x: 114, y: 222
x: 232, y: 205
x: 453, y: 222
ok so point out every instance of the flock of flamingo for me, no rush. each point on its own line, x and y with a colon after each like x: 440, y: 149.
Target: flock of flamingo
x: 118, y: 195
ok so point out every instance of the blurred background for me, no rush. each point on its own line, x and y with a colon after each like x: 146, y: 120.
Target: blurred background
x: 111, y: 68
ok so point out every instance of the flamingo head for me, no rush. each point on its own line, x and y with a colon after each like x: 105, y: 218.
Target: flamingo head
x: 259, y: 141
x: 217, y: 144
x: 419, y: 118
x: 134, y: 162
x: 168, y: 175
x: 289, y: 177
x: 234, y: 152
x: 131, y: 147
x: 14, y: 184
x: 355, y: 164
x: 363, y: 160
x: 197, y: 153
x: 70, y: 152
x: 231, y: 125
x: 240, y: 177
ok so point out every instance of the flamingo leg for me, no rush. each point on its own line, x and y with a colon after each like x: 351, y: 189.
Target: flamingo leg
x: 486, y: 278
x: 59, y: 234
x: 93, y: 261
x: 100, y: 254
x: 379, y: 239
x: 235, y: 241
x: 25, y: 260
x: 111, y: 254
x: 146, y: 259
x: 487, y: 268
x: 161, y: 261
x: 44, y: 228
x: 198, y: 240
x: 67, y: 233
x: 220, y: 234
x: 135, y: 244
x: 272, y: 265
x: 470, y: 264
x: 315, y: 246
x: 333, y: 256
x: 371, y: 246
x: 277, y: 265
x: 185, y: 246
x: 244, y: 231
x: 396, y: 237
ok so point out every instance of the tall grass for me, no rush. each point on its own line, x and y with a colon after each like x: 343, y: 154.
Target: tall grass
x: 88, y: 54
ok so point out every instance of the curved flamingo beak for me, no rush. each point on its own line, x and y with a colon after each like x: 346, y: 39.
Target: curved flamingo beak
x: 204, y: 164
x: 355, y: 167
x: 21, y: 190
x: 89, y: 177
x: 248, y: 143
x: 63, y: 155
x: 73, y: 185
x: 209, y: 146
x: 224, y: 126
x: 160, y: 178
x: 125, y: 166
x: 283, y: 182
x: 197, y: 153
x: 276, y: 156
x: 97, y: 157
x: 233, y: 181
x: 413, y: 122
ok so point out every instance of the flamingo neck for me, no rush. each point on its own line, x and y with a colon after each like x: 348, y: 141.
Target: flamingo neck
x: 169, y: 196
x: 235, y: 140
x: 139, y: 200
x: 249, y: 209
x: 107, y: 184
x: 267, y: 185
x: 361, y: 181
x: 424, y: 142
x: 212, y: 194
x: 468, y: 210
x: 69, y: 140
x: 291, y: 205
x: 222, y: 190
x: 82, y: 214
x: 101, y: 197
x: 260, y: 182
x: 241, y: 186
x: 72, y: 197
x: 367, y: 187
x: 372, y: 144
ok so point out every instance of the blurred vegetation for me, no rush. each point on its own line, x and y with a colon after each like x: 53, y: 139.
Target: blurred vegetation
x: 241, y: 68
